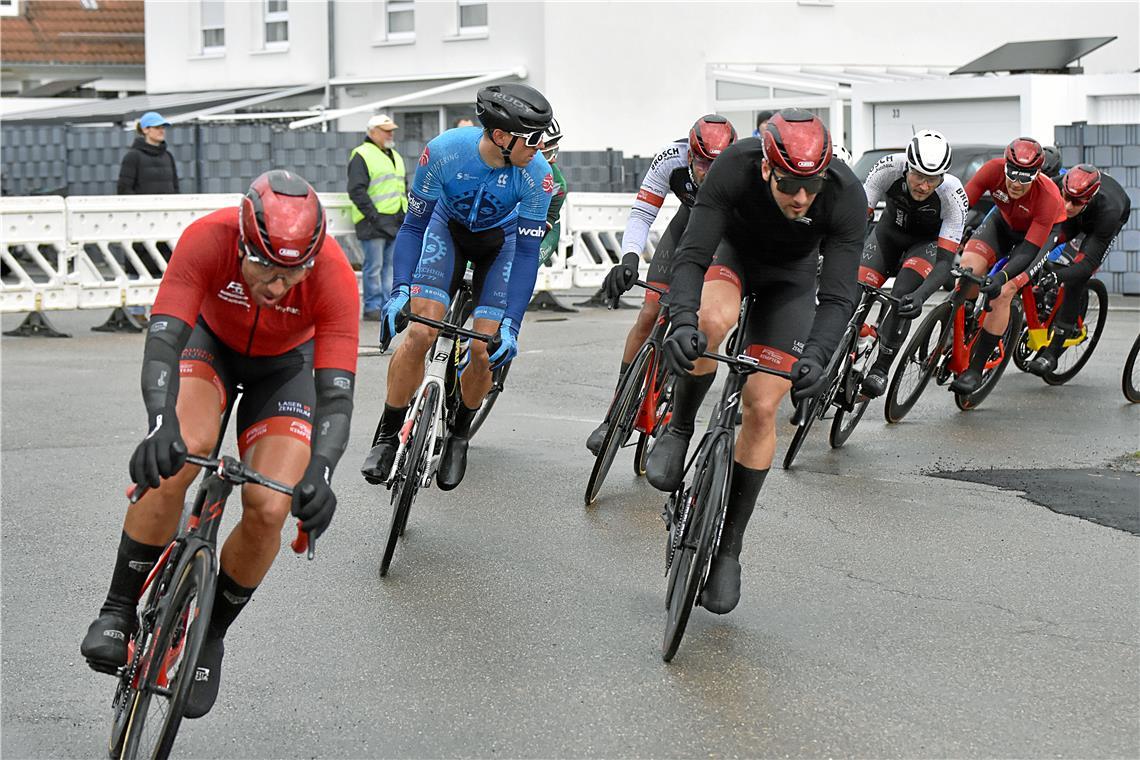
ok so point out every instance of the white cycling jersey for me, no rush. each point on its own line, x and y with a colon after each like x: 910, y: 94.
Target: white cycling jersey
x: 887, y: 182
x: 669, y: 172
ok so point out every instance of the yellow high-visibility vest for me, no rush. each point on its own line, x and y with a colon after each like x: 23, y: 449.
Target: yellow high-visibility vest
x: 385, y: 180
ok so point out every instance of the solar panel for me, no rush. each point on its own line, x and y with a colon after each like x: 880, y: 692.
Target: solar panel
x: 1039, y: 55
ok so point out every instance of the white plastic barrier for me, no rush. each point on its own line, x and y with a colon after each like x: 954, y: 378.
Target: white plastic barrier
x: 593, y: 223
x: 98, y: 252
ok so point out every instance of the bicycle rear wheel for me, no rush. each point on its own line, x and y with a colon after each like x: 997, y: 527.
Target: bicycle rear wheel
x: 169, y: 658
x: 411, y: 471
x: 1130, y: 380
x: 991, y: 376
x: 693, y: 535
x: 919, y: 360
x: 498, y: 377
x: 664, y: 381
x: 622, y: 416
x: 1094, y: 312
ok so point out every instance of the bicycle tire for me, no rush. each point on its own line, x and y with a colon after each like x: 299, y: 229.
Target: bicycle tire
x: 415, y: 458
x: 1092, y: 336
x: 990, y: 378
x: 1128, y: 381
x: 498, y: 377
x: 845, y: 423
x: 695, y: 544
x: 622, y: 416
x: 184, y: 615
x: 664, y: 407
x: 1021, y: 353
x: 920, y: 356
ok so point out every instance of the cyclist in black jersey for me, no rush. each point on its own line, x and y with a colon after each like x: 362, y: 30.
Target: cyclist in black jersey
x: 680, y: 168
x: 915, y: 240
x: 1097, y: 209
x: 767, y: 212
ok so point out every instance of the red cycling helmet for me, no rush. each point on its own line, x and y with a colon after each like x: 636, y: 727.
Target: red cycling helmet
x: 796, y: 142
x: 710, y: 135
x: 1025, y: 154
x: 1081, y: 183
x: 281, y: 220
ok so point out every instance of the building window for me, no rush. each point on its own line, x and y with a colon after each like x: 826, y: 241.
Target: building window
x: 9, y: 7
x: 213, y: 25
x: 400, y: 19
x: 276, y: 23
x: 472, y: 17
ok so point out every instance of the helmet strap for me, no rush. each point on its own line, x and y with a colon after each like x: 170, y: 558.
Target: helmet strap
x: 507, y: 150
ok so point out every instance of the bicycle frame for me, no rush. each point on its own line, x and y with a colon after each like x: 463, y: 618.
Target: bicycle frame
x: 960, y: 349
x: 647, y: 421
x: 1040, y: 331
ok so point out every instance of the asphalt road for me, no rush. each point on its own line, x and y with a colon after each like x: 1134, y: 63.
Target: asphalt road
x: 886, y: 613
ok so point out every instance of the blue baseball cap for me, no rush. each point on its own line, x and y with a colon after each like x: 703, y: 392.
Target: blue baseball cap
x: 153, y: 119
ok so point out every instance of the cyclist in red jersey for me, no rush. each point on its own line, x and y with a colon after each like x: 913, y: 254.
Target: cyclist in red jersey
x: 256, y: 295
x: 1022, y: 225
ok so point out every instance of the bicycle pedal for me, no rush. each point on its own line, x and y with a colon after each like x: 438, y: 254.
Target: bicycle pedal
x: 102, y: 667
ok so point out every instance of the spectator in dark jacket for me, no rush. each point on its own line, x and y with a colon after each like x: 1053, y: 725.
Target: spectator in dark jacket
x: 148, y: 168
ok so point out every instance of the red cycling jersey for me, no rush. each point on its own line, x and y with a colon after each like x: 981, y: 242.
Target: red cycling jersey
x: 204, y: 278
x: 1034, y: 213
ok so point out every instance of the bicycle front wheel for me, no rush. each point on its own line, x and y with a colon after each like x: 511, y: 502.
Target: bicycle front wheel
x: 1130, y: 380
x: 845, y: 422
x: 991, y: 376
x: 693, y: 535
x: 1094, y: 312
x: 169, y: 658
x: 622, y: 417
x: 919, y: 360
x: 411, y: 472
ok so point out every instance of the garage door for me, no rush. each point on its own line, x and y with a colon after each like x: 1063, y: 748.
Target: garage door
x: 963, y: 121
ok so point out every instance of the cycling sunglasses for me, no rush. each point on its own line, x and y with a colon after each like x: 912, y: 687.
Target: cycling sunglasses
x: 792, y: 185
x: 268, y: 271
x: 530, y: 139
x: 1076, y: 201
x: 1018, y: 175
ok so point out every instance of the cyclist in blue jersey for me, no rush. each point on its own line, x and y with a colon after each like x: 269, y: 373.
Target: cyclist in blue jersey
x: 480, y: 195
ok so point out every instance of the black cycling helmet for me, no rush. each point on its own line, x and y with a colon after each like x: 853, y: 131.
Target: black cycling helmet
x: 1052, y: 166
x: 517, y: 109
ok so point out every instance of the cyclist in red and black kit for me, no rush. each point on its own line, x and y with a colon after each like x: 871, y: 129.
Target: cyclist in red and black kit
x: 1096, y: 208
x: 680, y: 168
x: 915, y: 240
x: 256, y: 295
x: 768, y: 211
x: 1022, y: 225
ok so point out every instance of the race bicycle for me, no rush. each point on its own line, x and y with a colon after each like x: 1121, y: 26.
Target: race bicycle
x: 940, y: 348
x: 694, y: 514
x: 162, y: 656
x: 430, y: 416
x: 848, y: 365
x: 642, y: 403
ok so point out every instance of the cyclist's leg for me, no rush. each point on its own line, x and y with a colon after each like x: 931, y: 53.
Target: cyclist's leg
x: 720, y: 307
x: 274, y: 422
x: 1064, y: 324
x: 777, y: 329
x: 880, y: 248
x: 149, y: 524
x: 981, y: 253
x: 917, y: 263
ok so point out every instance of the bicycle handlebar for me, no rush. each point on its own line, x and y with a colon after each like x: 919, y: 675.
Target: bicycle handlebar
x: 449, y: 329
x: 235, y: 471
x: 649, y: 286
x: 968, y: 275
x: 748, y: 365
x: 879, y: 293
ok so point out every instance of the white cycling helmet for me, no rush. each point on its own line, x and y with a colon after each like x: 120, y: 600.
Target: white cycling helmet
x: 928, y: 153
x: 841, y: 153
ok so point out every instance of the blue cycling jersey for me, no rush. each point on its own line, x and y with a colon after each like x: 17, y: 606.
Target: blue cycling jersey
x: 453, y: 183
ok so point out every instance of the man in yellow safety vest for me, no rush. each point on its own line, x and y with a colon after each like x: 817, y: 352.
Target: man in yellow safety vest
x: 379, y: 202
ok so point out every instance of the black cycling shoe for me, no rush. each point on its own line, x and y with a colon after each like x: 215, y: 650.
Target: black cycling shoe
x: 207, y: 678
x: 594, y: 442
x: 1042, y: 364
x: 967, y: 382
x: 721, y: 593
x: 105, y: 645
x: 875, y: 383
x: 666, y: 462
x: 452, y: 464
x: 378, y: 464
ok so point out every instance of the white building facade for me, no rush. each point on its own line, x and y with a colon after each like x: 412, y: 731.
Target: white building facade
x: 633, y: 75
